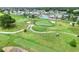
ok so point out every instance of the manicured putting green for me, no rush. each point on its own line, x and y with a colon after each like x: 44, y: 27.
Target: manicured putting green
x: 44, y: 22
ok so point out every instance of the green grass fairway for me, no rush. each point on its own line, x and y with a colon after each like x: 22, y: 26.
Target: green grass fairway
x: 1, y: 14
x: 45, y: 42
x: 44, y: 22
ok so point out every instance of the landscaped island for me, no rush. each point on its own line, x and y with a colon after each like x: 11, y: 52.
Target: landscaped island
x: 46, y: 29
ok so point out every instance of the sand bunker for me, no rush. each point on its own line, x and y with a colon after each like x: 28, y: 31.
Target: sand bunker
x: 14, y: 49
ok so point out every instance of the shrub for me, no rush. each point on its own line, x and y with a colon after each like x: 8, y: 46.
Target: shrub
x: 57, y: 34
x: 1, y: 50
x: 73, y: 43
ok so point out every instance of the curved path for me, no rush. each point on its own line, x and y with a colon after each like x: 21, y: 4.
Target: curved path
x: 12, y: 32
x: 30, y: 28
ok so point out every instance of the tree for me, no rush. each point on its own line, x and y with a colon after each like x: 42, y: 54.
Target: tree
x: 1, y: 10
x: 57, y: 34
x: 73, y: 19
x: 78, y: 22
x: 73, y: 43
x: 72, y: 16
x: 32, y: 19
x: 76, y: 12
x: 70, y: 13
x: 47, y: 9
x: 6, y: 21
x: 77, y: 35
x: 33, y: 16
x: 73, y: 24
x: 64, y: 17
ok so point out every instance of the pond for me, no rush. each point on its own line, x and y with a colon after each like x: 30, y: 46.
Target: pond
x: 44, y: 17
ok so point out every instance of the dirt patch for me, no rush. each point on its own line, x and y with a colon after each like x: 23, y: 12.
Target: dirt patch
x: 14, y: 49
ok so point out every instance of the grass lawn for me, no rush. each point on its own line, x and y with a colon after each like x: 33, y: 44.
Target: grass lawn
x: 41, y: 41
x: 1, y: 14
x: 39, y: 28
x: 44, y: 22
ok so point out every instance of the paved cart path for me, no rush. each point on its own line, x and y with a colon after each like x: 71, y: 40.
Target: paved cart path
x: 29, y: 27
x: 12, y: 32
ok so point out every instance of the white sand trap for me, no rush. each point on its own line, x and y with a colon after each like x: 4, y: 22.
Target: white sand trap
x: 28, y: 22
x: 14, y: 49
x: 52, y: 22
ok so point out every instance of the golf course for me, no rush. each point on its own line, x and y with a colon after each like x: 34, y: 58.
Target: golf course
x: 40, y: 35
